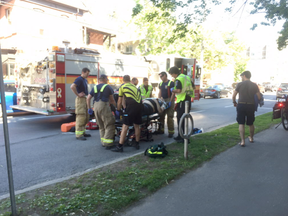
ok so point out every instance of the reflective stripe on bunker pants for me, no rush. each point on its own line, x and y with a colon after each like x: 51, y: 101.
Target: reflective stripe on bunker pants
x: 170, y: 115
x: 105, y: 121
x: 82, y: 116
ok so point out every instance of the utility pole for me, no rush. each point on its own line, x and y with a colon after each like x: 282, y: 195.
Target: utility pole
x: 7, y: 142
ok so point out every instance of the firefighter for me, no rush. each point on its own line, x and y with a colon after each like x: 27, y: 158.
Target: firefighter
x: 168, y: 97
x: 80, y: 89
x: 134, y: 81
x: 145, y: 89
x: 103, y: 97
x: 133, y: 111
x: 184, y: 91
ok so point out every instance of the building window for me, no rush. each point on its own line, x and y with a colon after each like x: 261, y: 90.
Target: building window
x: 128, y: 49
x: 167, y: 64
x: 87, y: 38
x: 8, y: 70
x: 8, y: 15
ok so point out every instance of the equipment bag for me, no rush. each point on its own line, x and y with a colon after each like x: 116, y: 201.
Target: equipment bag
x: 155, y: 151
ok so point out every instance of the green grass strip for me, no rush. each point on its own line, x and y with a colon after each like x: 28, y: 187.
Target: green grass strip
x: 113, y: 188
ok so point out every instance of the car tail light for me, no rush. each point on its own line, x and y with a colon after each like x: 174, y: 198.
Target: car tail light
x: 279, y: 89
x: 213, y: 90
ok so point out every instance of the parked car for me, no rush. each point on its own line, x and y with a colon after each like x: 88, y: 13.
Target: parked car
x: 202, y: 90
x: 217, y: 91
x: 10, y: 96
x: 282, y: 90
x: 261, y: 88
x: 268, y: 86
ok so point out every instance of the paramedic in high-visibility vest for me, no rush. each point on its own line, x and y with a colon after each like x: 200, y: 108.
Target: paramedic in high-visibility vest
x: 166, y: 95
x: 184, y: 91
x: 103, y: 97
x: 80, y: 89
x: 145, y: 89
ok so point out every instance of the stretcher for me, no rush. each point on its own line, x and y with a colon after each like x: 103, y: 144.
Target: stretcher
x: 150, y: 124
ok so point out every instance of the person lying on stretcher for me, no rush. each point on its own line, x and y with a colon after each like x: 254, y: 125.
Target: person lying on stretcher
x: 150, y: 106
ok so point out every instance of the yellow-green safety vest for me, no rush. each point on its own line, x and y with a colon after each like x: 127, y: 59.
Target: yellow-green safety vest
x: 168, y: 83
x: 187, y: 88
x: 143, y: 90
x: 101, y: 90
x: 130, y: 91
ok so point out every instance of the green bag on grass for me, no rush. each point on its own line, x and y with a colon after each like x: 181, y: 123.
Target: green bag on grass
x: 156, y: 151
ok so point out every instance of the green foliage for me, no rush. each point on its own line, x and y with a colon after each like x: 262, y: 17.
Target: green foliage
x: 274, y: 11
x: 282, y: 40
x: 162, y: 34
x: 197, y: 12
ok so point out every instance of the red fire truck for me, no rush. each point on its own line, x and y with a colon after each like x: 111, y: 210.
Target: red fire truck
x: 44, y: 86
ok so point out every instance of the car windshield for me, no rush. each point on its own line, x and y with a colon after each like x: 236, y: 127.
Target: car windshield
x: 284, y: 85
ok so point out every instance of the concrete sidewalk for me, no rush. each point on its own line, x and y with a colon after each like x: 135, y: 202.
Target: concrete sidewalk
x: 251, y: 180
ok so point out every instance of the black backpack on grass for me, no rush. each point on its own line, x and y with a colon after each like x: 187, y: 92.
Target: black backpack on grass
x: 156, y: 151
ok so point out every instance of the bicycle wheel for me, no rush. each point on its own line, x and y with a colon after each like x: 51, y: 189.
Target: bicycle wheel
x: 284, y: 117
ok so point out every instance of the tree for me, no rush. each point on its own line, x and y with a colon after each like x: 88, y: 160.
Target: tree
x: 219, y: 49
x: 273, y: 10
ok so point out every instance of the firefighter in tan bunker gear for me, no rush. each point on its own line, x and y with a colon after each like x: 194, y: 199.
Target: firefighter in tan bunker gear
x: 80, y: 89
x: 103, y: 97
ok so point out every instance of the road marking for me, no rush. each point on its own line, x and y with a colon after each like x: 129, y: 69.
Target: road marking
x: 265, y: 99
x: 24, y: 119
x: 198, y: 111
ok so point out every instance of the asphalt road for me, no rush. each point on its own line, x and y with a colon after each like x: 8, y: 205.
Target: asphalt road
x: 41, y: 153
